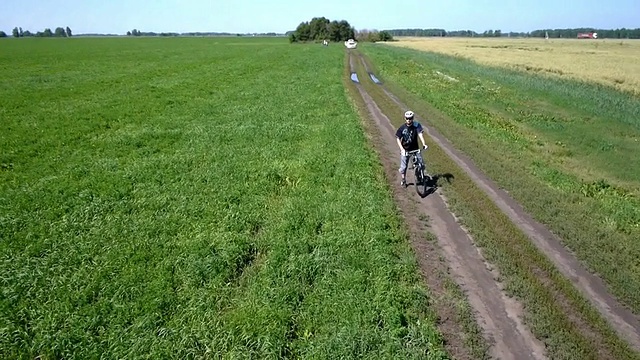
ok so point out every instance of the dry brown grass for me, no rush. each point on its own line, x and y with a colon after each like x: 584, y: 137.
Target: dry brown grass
x: 608, y: 61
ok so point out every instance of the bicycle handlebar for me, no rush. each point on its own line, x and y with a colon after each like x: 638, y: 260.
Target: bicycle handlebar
x: 414, y: 151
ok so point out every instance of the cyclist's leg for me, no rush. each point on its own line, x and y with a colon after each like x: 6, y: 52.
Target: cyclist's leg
x: 403, y: 169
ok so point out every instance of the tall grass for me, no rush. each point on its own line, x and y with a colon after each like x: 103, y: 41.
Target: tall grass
x: 568, y: 151
x: 196, y: 198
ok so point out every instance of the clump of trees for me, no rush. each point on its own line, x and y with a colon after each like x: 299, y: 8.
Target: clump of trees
x: 373, y: 35
x: 136, y: 32
x: 59, y: 32
x: 321, y: 28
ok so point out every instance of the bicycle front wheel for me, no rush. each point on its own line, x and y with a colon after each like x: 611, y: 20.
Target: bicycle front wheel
x: 421, y: 182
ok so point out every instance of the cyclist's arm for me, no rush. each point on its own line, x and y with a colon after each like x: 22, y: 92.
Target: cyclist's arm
x: 400, y: 145
x: 421, y: 136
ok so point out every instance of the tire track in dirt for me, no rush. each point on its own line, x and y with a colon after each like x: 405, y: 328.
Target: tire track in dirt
x: 498, y: 315
x: 623, y: 320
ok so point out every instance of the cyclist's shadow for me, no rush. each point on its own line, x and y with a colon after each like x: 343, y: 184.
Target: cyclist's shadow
x: 432, y: 183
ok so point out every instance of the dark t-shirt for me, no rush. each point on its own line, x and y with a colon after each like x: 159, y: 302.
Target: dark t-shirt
x: 408, y: 135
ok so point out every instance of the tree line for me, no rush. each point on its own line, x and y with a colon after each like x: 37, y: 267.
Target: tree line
x: 373, y: 35
x: 58, y: 32
x: 456, y: 33
x: 602, y: 33
x: 552, y: 33
x: 136, y: 32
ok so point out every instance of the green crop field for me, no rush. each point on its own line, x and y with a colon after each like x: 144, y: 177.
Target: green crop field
x: 196, y: 198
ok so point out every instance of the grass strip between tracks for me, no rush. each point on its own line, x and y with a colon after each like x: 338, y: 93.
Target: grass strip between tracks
x: 555, y: 311
x: 446, y: 293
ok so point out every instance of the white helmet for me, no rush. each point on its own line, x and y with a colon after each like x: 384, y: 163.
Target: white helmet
x: 408, y: 115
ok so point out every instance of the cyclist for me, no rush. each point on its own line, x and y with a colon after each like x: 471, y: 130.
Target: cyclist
x: 407, y: 138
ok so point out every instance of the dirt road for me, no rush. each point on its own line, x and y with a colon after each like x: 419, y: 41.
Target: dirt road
x: 498, y: 315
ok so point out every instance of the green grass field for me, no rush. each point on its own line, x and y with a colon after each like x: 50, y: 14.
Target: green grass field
x: 196, y: 198
x: 217, y: 198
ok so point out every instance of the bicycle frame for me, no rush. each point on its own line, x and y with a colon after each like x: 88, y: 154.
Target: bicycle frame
x: 418, y: 166
x: 414, y: 159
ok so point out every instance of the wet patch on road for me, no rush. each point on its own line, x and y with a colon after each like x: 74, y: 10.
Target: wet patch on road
x: 375, y: 79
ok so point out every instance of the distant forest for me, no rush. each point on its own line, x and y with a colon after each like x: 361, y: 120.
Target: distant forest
x: 136, y: 32
x: 62, y: 32
x: 553, y: 33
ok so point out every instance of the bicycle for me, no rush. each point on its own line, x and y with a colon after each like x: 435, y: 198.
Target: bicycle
x: 422, y: 178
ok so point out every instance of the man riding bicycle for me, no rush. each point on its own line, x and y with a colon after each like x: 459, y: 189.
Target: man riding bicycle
x: 407, y: 138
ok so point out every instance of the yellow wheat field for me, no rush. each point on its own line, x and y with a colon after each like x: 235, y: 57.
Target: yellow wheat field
x: 613, y: 62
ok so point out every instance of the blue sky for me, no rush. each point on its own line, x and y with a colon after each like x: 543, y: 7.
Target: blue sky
x: 247, y: 16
